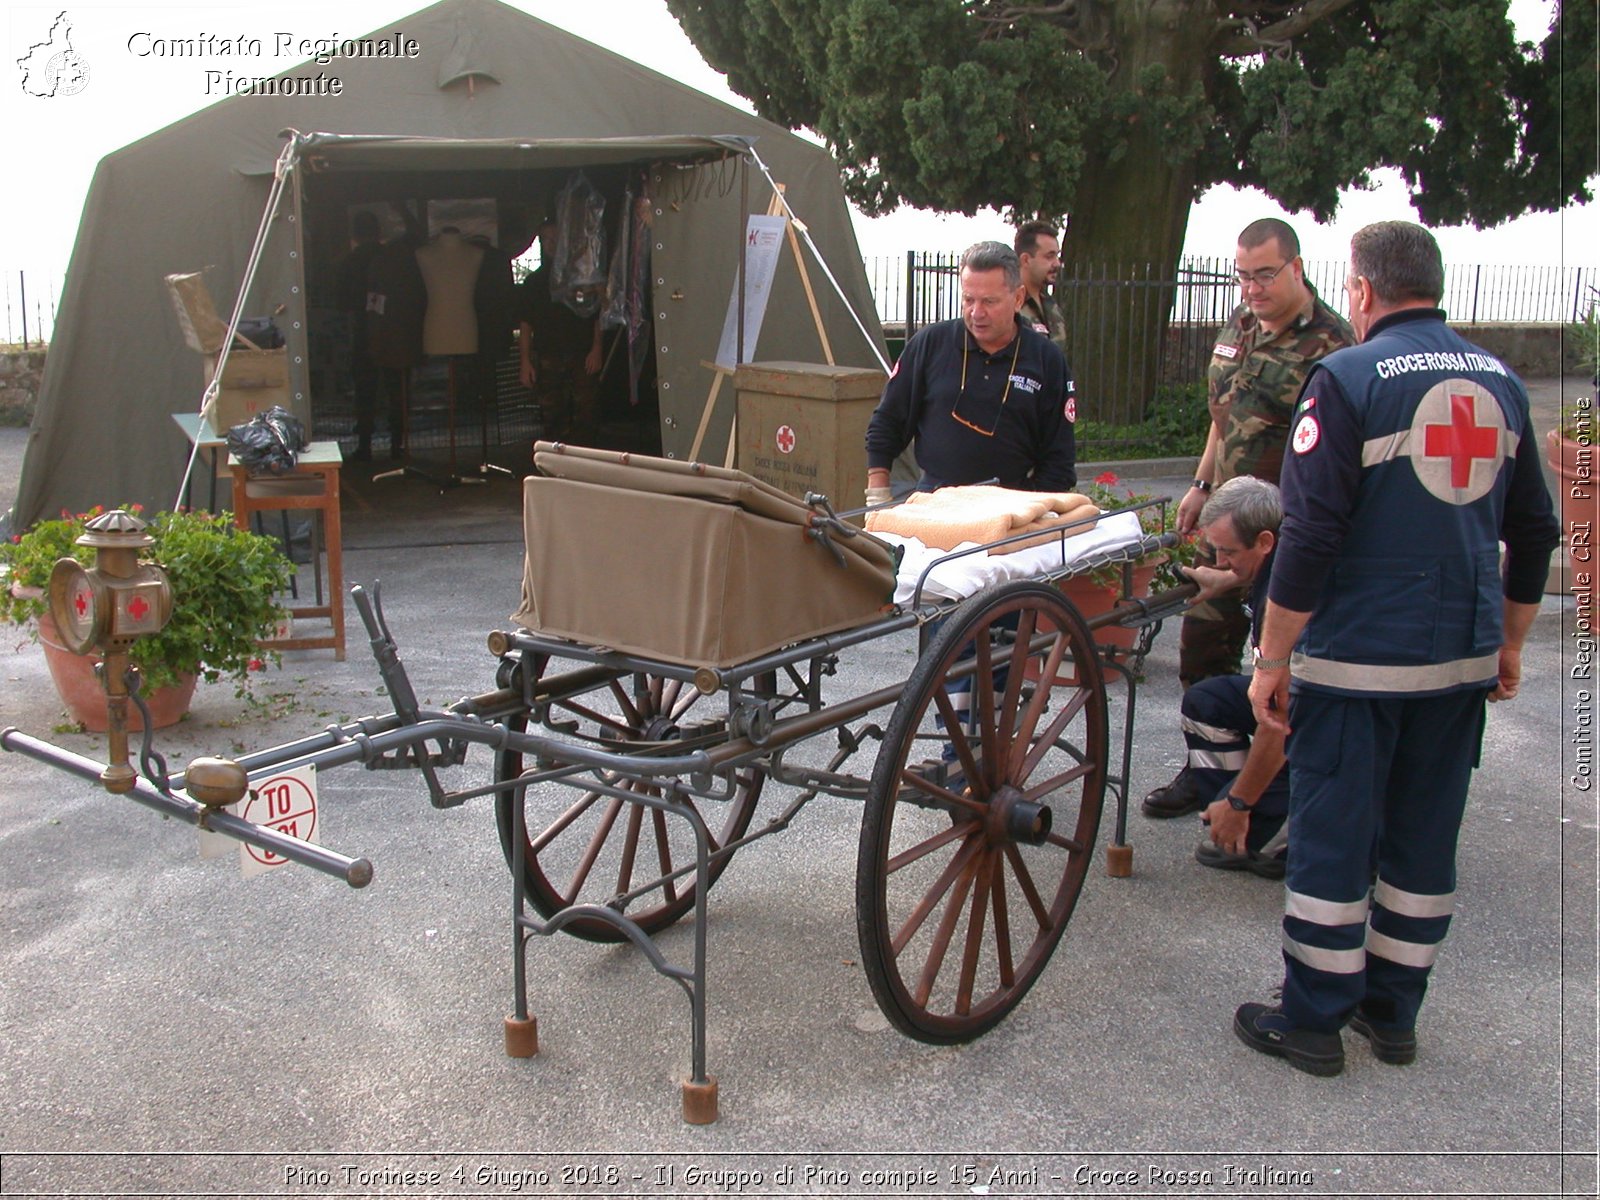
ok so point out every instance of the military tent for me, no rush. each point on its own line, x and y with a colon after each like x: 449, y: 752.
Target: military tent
x: 494, y: 103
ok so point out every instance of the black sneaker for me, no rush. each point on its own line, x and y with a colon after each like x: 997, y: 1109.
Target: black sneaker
x: 1268, y: 1030
x: 1389, y: 1045
x: 1176, y: 799
x: 1209, y: 854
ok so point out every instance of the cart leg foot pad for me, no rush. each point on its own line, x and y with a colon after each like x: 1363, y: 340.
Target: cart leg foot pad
x: 700, y: 1101
x: 522, y: 1037
x: 1119, y: 861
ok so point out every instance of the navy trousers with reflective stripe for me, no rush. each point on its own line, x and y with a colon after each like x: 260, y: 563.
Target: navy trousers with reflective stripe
x: 1217, y: 727
x: 1377, y: 791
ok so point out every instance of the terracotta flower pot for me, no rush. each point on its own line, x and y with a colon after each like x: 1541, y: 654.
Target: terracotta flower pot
x: 1578, y: 497
x: 1091, y: 598
x: 85, y: 699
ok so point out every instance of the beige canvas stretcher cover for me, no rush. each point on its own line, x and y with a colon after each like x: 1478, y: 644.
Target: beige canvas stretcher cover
x: 681, y: 562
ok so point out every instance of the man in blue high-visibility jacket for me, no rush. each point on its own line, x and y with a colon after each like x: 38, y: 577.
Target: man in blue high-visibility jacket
x: 1389, y: 623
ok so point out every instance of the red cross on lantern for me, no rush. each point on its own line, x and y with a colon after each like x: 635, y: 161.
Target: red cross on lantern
x: 81, y: 602
x: 137, y: 608
x: 1463, y: 441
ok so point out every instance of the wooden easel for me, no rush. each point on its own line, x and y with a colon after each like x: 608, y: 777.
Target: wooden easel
x: 775, y: 208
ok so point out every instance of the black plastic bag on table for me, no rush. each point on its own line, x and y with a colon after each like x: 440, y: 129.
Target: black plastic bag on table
x: 268, y: 442
x: 578, y: 274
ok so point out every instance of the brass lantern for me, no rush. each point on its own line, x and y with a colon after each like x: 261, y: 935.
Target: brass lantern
x: 105, y: 608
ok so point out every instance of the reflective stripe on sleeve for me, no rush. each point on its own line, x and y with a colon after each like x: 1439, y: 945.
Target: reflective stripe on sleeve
x: 1335, y: 962
x: 1413, y: 904
x: 1407, y: 954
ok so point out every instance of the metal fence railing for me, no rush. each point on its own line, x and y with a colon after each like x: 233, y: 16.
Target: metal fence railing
x: 1141, y: 338
x: 30, y: 308
x: 920, y: 286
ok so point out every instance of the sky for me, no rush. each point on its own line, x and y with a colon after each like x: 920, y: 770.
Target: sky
x: 53, y: 143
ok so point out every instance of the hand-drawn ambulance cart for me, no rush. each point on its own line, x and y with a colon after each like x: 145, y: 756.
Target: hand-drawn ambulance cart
x: 632, y: 730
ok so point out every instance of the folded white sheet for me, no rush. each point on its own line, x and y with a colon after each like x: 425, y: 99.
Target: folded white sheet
x: 962, y: 577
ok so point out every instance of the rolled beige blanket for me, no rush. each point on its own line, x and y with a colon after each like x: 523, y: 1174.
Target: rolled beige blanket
x: 980, y: 513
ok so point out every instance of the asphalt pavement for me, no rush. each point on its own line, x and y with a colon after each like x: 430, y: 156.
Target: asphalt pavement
x: 170, y: 1028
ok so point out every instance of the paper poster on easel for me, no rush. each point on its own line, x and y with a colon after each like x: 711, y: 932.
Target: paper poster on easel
x: 763, y: 239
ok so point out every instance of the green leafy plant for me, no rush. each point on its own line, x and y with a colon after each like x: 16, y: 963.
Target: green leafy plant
x: 1174, y: 424
x: 225, y: 584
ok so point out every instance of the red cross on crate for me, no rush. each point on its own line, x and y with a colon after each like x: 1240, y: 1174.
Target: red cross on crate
x: 1463, y: 441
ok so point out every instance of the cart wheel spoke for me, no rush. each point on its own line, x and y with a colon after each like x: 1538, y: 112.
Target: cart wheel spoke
x: 934, y: 893
x: 560, y: 823
x: 597, y: 841
x: 950, y: 721
x: 973, y: 950
x: 581, y: 850
x: 658, y: 821
x: 630, y: 714
x: 941, y: 797
x: 611, y: 723
x: 630, y: 847
x: 906, y: 857
x: 946, y: 930
x: 942, y: 877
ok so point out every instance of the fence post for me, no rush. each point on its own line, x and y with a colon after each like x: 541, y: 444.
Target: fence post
x: 911, y: 293
x: 22, y: 286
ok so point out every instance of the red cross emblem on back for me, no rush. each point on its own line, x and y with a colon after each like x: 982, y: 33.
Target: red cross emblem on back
x: 1461, y: 441
x: 1457, y: 443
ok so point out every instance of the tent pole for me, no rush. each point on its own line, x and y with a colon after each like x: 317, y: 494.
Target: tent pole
x: 823, y: 263
x: 208, y: 398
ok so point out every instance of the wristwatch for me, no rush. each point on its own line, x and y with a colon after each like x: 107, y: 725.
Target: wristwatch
x: 1267, y: 664
x: 1237, y: 804
x: 1203, y: 484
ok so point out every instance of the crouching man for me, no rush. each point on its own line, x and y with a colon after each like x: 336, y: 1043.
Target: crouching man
x: 1240, y: 773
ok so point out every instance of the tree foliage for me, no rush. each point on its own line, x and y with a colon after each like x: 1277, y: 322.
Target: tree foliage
x: 1049, y: 107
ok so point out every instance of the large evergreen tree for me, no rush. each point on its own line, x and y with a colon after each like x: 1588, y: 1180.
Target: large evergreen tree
x: 1118, y: 113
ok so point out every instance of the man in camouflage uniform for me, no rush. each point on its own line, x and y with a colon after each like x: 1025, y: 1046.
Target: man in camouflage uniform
x: 1039, y: 254
x: 1279, y: 331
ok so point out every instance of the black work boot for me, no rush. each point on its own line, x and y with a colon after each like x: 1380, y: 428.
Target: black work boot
x: 1267, y: 1030
x: 1175, y: 799
x: 1389, y: 1044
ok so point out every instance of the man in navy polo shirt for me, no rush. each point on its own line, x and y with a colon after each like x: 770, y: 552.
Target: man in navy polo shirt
x: 983, y: 398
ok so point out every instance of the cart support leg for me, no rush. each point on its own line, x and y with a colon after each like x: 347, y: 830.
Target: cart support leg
x: 521, y: 1028
x: 700, y: 1089
x: 1119, y: 855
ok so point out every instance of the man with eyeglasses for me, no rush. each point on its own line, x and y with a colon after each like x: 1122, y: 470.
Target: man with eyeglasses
x: 1280, y: 329
x: 983, y: 397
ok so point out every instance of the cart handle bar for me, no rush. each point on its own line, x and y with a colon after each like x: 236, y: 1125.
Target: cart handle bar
x: 357, y: 872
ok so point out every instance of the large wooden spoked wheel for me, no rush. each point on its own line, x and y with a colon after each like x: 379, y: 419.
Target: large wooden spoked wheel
x: 583, y: 846
x: 963, y: 888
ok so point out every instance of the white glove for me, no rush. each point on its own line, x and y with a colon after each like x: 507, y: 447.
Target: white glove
x: 878, y: 495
